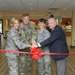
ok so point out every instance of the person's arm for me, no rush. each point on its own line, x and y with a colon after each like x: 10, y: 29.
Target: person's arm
x: 46, y: 34
x: 18, y: 43
x: 54, y: 36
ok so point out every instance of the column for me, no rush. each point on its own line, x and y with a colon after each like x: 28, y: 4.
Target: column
x: 5, y: 23
x: 73, y: 30
x: 2, y: 41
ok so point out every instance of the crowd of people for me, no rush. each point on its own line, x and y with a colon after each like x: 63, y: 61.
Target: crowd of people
x: 24, y: 36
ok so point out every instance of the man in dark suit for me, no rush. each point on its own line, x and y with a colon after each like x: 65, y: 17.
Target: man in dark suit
x: 57, y: 44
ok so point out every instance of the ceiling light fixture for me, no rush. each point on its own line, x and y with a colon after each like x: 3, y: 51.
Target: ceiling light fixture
x: 53, y: 8
x: 31, y: 9
x: 29, y: 3
x: 64, y: 8
x: 73, y: 3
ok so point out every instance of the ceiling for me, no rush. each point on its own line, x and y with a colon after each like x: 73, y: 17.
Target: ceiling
x: 60, y: 8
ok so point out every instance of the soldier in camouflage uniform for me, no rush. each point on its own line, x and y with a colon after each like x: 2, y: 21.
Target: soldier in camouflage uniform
x: 14, y: 43
x: 43, y: 62
x: 28, y: 32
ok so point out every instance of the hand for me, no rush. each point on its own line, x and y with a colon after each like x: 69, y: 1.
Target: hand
x: 29, y: 46
x: 34, y: 44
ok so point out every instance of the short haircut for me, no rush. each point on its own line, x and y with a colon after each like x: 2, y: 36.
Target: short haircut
x: 24, y: 15
x: 42, y: 20
x: 51, y: 16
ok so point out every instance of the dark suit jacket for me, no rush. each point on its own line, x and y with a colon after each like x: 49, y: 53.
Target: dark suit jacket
x: 57, y: 43
x: 48, y: 29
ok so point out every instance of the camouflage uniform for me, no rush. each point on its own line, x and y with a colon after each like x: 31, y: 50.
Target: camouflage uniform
x: 27, y: 33
x: 44, y: 61
x: 13, y: 43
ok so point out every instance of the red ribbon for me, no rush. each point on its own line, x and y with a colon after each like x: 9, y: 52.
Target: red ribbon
x: 14, y: 51
x: 36, y: 53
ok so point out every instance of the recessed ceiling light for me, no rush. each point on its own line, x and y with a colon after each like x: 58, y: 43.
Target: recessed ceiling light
x: 73, y: 3
x: 57, y: 12
x: 29, y: 3
x: 49, y: 12
x: 53, y: 8
x: 64, y: 8
x: 31, y: 9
